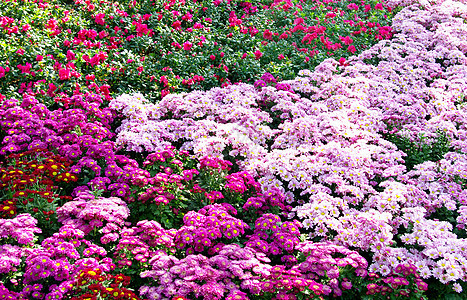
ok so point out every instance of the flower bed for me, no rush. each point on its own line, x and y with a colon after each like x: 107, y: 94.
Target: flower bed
x: 162, y: 47
x: 308, y: 176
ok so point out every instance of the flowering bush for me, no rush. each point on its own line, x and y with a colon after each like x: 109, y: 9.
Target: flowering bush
x: 161, y: 47
x: 403, y: 282
x: 273, y: 237
x: 221, y: 275
x: 172, y: 184
x: 29, y: 186
x: 91, y: 215
x: 54, y: 268
x: 93, y: 283
x: 16, y: 235
x: 208, y: 226
x: 323, y: 269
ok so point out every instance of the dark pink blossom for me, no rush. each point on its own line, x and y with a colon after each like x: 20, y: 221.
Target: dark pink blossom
x: 258, y: 54
x: 187, y: 46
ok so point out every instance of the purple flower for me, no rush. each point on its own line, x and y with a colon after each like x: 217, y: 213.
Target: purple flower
x: 75, y: 170
x: 259, y: 83
x: 283, y: 87
x: 268, y: 77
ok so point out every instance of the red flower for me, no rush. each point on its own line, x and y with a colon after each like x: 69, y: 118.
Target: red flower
x: 346, y: 40
x: 2, y: 72
x: 258, y: 54
x: 187, y: 46
x: 253, y: 31
x: 177, y: 25
x: 99, y: 19
x: 70, y: 55
x: 342, y: 61
x: 352, y: 49
x: 267, y: 34
x: 298, y: 21
x: 176, y: 45
x: 64, y: 74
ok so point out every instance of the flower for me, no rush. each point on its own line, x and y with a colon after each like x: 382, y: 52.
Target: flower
x: 267, y: 34
x: 187, y: 46
x: 258, y: 54
x: 457, y: 287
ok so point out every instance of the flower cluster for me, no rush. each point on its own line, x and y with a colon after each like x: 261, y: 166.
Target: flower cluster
x: 272, y: 237
x: 52, y: 268
x: 22, y: 229
x: 88, y: 213
x: 7, y: 294
x: 404, y: 281
x: 172, y: 183
x: 94, y: 282
x: 271, y: 200
x: 79, y: 134
x: 16, y: 234
x: 215, y: 277
x: 31, y: 181
x: 327, y: 263
x: 209, y: 225
x: 138, y: 244
x: 288, y: 283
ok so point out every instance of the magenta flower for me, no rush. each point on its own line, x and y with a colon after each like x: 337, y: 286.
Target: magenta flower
x: 258, y: 54
x: 2, y: 72
x: 187, y: 46
x: 352, y: 49
x: 64, y: 74
x: 267, y: 34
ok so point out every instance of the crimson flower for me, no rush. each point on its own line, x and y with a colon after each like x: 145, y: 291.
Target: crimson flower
x: 258, y: 54
x: 187, y: 46
x: 267, y: 34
